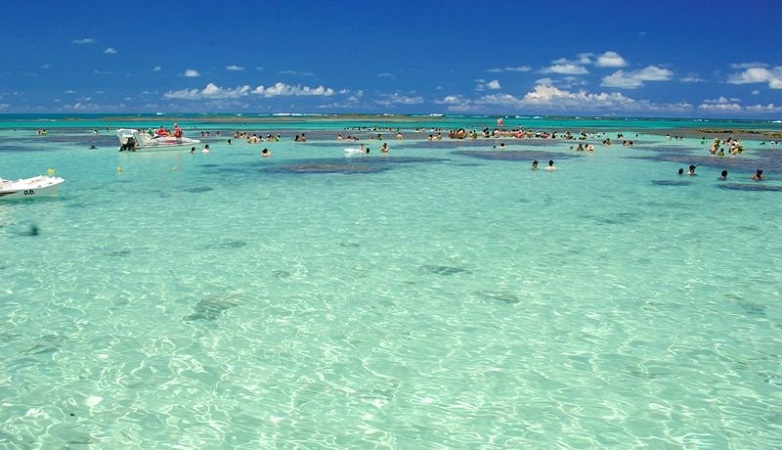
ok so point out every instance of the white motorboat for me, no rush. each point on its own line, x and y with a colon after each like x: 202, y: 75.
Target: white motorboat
x: 133, y: 140
x: 30, y: 187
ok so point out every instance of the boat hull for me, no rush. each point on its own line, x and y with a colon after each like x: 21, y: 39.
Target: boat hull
x: 41, y: 186
x: 135, y: 140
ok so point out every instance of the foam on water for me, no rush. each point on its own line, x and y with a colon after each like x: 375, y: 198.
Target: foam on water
x: 443, y: 296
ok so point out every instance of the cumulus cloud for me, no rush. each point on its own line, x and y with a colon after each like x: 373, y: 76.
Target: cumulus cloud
x: 491, y: 85
x: 285, y: 90
x: 635, y: 79
x: 566, y: 68
x: 234, y: 67
x: 546, y: 96
x: 451, y: 100
x: 211, y: 91
x: 509, y: 69
x: 748, y: 65
x: 610, y: 59
x: 191, y: 73
x: 550, y: 95
x: 296, y: 73
x: 770, y: 108
x: 721, y: 104
x: 692, y: 78
x: 397, y: 99
x: 110, y: 51
x: 83, y: 41
x: 759, y: 75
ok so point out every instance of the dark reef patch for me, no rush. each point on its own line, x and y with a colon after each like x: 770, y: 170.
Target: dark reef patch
x: 445, y: 270
x: 516, y: 155
x: 756, y: 187
x: 497, y: 296
x: 198, y: 189
x: 671, y: 182
x: 363, y: 165
x: 210, y: 309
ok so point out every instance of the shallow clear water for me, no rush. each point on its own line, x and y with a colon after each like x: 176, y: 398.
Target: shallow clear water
x: 444, y: 296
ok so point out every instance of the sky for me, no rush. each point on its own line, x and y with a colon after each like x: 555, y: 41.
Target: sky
x: 661, y: 58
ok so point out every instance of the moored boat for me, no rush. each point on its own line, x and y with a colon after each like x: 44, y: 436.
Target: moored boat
x: 135, y: 140
x: 29, y: 187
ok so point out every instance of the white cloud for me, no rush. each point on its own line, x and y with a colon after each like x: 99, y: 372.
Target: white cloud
x: 157, y: 69
x: 759, y: 75
x: 110, y: 51
x: 191, y: 73
x: 509, y: 69
x: 720, y: 104
x: 635, y: 79
x: 566, y: 68
x: 211, y: 91
x: 455, y: 103
x: 491, y: 85
x: 764, y: 108
x: 296, y: 73
x: 748, y: 65
x: 386, y: 75
x: 692, y: 78
x: 549, y: 95
x: 234, y: 67
x: 610, y: 59
x: 285, y: 90
x: 396, y: 99
x: 452, y: 100
x: 83, y: 41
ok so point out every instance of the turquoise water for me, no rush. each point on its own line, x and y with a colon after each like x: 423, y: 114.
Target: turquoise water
x: 443, y: 296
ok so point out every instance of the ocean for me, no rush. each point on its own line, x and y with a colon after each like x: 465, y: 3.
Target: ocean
x: 440, y: 296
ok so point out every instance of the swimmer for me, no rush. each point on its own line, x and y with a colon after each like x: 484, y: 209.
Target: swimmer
x: 680, y: 171
x: 691, y: 172
x: 265, y: 153
x: 758, y: 175
x: 551, y: 165
x: 724, y: 175
x: 534, y: 165
x: 384, y: 148
x: 205, y: 149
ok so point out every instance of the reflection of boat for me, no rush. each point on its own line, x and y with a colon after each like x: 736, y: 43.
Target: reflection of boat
x: 132, y: 140
x: 29, y: 187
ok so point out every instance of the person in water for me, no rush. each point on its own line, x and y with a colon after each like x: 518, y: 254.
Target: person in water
x: 551, y: 165
x: 535, y: 165
x: 758, y: 175
x: 724, y: 175
x: 691, y: 172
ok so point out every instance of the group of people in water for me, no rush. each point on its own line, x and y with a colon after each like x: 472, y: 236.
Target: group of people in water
x: 757, y: 176
x: 717, y: 147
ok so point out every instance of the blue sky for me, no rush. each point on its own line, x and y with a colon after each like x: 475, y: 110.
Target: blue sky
x: 636, y: 58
